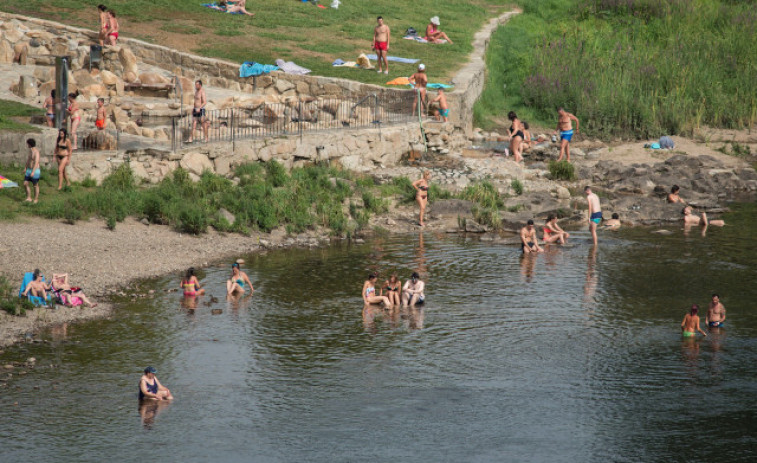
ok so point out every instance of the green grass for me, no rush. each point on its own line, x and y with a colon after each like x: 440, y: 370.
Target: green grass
x: 10, y: 111
x: 291, y: 30
x: 631, y: 69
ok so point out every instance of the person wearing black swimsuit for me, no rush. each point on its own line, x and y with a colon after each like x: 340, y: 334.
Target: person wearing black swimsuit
x: 393, y: 288
x: 421, y: 196
x: 63, y: 156
x: 516, y: 136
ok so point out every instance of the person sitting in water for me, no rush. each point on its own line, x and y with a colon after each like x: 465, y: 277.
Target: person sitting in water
x: 150, y: 387
x: 690, y: 219
x: 238, y: 282
x: 553, y: 232
x: 191, y: 285
x: 433, y: 34
x: 67, y: 292
x: 412, y: 292
x: 673, y: 195
x: 715, y: 314
x: 393, y: 290
x: 690, y: 323
x: 528, y: 241
x: 369, y: 292
x: 614, y: 222
x: 37, y: 287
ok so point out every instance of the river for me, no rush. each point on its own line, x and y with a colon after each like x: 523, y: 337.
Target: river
x: 573, y: 355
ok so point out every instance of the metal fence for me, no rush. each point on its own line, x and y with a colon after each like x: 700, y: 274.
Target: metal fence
x: 296, y: 117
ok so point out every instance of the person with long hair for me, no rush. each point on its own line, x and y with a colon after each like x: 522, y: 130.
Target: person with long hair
x: 238, y: 282
x: 369, y: 292
x: 191, y: 285
x: 553, y: 232
x: 74, y: 114
x: 62, y: 154
x: 690, y: 323
x: 421, y: 194
x: 516, y: 136
x: 102, y: 12
x: 393, y: 287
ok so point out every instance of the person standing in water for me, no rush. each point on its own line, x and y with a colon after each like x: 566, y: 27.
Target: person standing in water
x: 715, y: 314
x: 565, y: 129
x: 191, y: 285
x: 150, y: 387
x: 690, y: 323
x: 421, y: 194
x: 381, y: 35
x: 239, y: 280
x: 595, y: 212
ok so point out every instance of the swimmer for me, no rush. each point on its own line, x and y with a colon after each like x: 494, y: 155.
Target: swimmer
x: 690, y: 219
x: 614, y: 222
x: 528, y: 241
x: 421, y: 194
x: 369, y: 292
x: 412, y: 292
x: 150, y: 387
x: 191, y: 285
x: 690, y: 323
x: 673, y: 195
x: 595, y: 212
x: 236, y: 285
x: 393, y: 290
x: 716, y: 313
x: 553, y: 232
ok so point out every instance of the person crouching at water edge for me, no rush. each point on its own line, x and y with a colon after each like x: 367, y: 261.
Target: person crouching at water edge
x: 528, y: 241
x: 412, y: 292
x: 191, y: 285
x: 236, y: 286
x: 690, y: 323
x: 150, y: 387
x: 369, y: 292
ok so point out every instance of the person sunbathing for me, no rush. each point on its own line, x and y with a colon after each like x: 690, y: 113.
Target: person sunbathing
x: 433, y: 34
x: 69, y: 295
x: 37, y: 287
x: 235, y: 7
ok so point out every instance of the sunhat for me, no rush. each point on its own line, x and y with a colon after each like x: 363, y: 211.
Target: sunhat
x: 435, y: 20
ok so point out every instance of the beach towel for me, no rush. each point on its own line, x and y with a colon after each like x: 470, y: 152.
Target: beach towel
x: 290, y: 68
x: 251, y: 68
x: 435, y: 85
x: 344, y: 64
x: 395, y: 59
x: 28, y: 278
x: 399, y: 81
x: 215, y: 6
x: 421, y: 39
x: 5, y: 183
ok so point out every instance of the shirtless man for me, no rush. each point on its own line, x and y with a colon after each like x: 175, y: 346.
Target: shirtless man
x: 198, y: 113
x: 419, y: 81
x: 100, y: 118
x: 565, y: 129
x: 690, y: 219
x: 443, y: 111
x: 37, y: 287
x: 528, y: 241
x: 381, y: 44
x: 31, y: 174
x: 112, y: 28
x: 673, y: 195
x: 715, y: 314
x: 595, y: 212
x: 412, y: 292
x: 690, y: 323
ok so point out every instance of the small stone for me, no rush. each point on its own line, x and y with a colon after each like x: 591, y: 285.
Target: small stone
x: 8, y: 366
x: 31, y: 360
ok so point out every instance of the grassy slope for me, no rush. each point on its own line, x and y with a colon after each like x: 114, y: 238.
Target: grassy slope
x: 289, y: 29
x: 10, y: 110
x: 662, y: 67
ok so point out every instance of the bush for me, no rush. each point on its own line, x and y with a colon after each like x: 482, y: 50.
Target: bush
x: 374, y: 204
x: 111, y: 223
x: 72, y: 214
x: 484, y: 194
x: 193, y: 220
x: 562, y: 170
x: 276, y: 173
x: 517, y: 186
x: 89, y: 182
x: 488, y: 216
x: 122, y: 179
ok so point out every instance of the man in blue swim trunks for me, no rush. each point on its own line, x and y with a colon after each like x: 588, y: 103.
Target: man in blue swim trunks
x: 595, y: 212
x: 31, y: 174
x: 565, y: 128
x: 715, y: 314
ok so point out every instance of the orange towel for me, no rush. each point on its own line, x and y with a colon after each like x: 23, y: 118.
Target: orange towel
x: 399, y: 81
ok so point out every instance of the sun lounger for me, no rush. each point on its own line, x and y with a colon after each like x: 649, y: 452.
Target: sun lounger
x: 38, y: 301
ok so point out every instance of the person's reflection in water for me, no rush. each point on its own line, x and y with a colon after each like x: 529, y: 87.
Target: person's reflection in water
x: 370, y: 311
x: 59, y: 332
x: 590, y: 286
x: 527, y: 266
x: 420, y: 257
x: 415, y: 318
x: 148, y: 411
x: 189, y: 303
x: 690, y: 353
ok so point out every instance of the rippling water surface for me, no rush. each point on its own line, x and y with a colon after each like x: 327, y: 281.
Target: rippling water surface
x: 574, y: 355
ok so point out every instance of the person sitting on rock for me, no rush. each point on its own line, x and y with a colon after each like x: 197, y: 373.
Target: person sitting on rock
x: 690, y: 219
x: 528, y: 239
x: 552, y: 232
x: 526, y: 143
x: 673, y: 195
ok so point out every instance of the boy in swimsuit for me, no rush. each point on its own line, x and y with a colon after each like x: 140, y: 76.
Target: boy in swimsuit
x: 381, y: 44
x: 565, y: 129
x: 443, y: 112
x: 113, y: 28
x: 100, y: 119
x: 31, y: 174
x: 198, y: 113
x: 528, y: 241
x: 690, y: 323
x: 595, y: 212
x: 715, y: 314
x: 419, y: 81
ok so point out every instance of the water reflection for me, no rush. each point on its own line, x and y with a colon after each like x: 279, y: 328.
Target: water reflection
x: 527, y: 266
x: 149, y: 410
x: 592, y: 278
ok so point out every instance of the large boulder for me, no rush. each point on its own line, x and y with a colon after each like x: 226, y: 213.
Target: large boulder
x: 6, y: 52
x: 151, y: 78
x: 196, y: 163
x: 27, y: 87
x: 128, y: 61
x: 20, y: 53
x: 108, y: 78
x: 100, y: 140
x: 130, y: 76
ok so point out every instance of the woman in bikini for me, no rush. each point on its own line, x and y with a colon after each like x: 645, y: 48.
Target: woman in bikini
x: 421, y: 196
x: 553, y: 232
x: 369, y: 292
x: 235, y: 7
x: 112, y: 28
x: 68, y: 293
x: 516, y: 136
x: 393, y: 288
x: 236, y: 285
x: 191, y: 285
x: 50, y: 109
x: 102, y: 11
x: 74, y: 114
x: 63, y: 156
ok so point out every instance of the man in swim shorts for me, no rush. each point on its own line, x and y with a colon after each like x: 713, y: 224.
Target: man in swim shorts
x: 528, y: 241
x: 381, y: 36
x: 198, y: 113
x: 443, y: 112
x: 595, y: 212
x: 565, y: 129
x: 715, y: 314
x: 412, y: 292
x: 690, y: 323
x: 100, y: 118
x: 31, y: 174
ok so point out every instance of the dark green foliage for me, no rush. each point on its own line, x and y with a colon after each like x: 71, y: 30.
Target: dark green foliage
x: 484, y: 194
x: 517, y: 186
x: 562, y: 170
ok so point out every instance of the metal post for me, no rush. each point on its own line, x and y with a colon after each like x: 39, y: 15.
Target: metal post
x: 61, y: 90
x: 299, y: 118
x: 173, y: 134
x: 231, y: 129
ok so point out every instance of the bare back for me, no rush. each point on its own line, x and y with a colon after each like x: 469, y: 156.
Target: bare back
x: 690, y: 323
x: 419, y: 79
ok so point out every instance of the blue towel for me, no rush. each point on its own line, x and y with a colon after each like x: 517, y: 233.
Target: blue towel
x: 214, y: 6
x: 251, y: 68
x: 28, y: 278
x: 445, y: 86
x: 337, y: 62
x: 395, y: 59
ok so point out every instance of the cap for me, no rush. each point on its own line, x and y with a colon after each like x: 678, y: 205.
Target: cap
x: 421, y: 67
x: 150, y: 370
x: 435, y: 20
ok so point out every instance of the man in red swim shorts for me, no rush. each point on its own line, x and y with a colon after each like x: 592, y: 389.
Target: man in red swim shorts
x: 381, y: 44
x: 100, y: 119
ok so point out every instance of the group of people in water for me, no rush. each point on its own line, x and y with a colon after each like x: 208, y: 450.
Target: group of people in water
x: 713, y: 320
x: 410, y: 294
x: 236, y: 285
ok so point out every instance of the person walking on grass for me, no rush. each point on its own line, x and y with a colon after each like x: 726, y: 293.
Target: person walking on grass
x: 595, y: 212
x: 381, y: 36
x: 565, y: 129
x: 31, y: 174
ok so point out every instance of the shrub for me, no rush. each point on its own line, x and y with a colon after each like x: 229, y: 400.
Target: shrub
x: 110, y: 222
x: 374, y: 204
x: 562, y: 170
x: 488, y: 216
x: 89, y: 182
x: 72, y: 214
x: 517, y: 186
x: 484, y: 194
x: 276, y: 173
x: 121, y: 179
x: 193, y: 220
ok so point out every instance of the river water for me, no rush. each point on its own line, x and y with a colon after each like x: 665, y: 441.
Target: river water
x: 574, y: 355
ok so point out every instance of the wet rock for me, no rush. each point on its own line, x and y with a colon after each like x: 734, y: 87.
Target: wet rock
x: 471, y: 226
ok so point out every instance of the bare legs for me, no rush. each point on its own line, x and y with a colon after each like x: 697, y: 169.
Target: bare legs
x: 516, y: 148
x: 62, y: 164
x: 564, y: 150
x: 422, y: 202
x: 74, y: 126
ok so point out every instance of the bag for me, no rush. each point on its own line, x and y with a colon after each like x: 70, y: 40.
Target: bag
x: 411, y: 32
